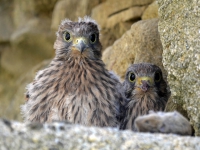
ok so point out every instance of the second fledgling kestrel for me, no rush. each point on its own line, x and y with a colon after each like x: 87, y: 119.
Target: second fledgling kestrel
x: 145, y: 90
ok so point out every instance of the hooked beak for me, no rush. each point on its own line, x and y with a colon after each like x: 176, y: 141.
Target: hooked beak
x: 80, y: 43
x: 144, y: 83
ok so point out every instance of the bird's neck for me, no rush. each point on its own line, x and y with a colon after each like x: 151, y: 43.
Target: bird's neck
x: 80, y: 72
x: 146, y: 102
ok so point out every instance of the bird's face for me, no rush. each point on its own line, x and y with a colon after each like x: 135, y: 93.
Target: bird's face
x: 144, y: 79
x: 78, y: 39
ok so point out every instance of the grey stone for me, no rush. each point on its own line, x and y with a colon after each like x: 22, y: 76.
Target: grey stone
x: 180, y: 35
x: 62, y: 136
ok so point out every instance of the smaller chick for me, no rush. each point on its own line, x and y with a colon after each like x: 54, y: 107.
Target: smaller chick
x: 163, y: 122
x: 145, y: 90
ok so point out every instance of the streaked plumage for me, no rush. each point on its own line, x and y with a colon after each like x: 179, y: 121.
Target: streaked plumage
x: 145, y: 90
x: 75, y: 87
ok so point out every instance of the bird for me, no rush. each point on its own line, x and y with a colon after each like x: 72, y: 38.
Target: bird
x: 76, y: 86
x: 145, y: 90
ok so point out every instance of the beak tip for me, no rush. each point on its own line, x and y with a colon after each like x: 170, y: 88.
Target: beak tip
x: 81, y: 47
x: 145, y: 85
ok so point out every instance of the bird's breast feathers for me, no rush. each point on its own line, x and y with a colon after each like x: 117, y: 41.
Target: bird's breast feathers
x: 85, y: 95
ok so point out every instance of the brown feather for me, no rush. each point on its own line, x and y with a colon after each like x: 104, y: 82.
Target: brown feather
x: 141, y: 102
x: 76, y: 86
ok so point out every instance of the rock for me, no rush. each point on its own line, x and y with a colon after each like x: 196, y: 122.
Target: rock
x: 63, y: 136
x: 163, y: 122
x: 25, y: 40
x: 110, y: 8
x: 7, y: 88
x: 6, y: 22
x: 115, y: 17
x: 109, y: 36
x: 71, y: 9
x: 140, y: 44
x: 30, y: 45
x: 130, y: 13
x: 151, y: 11
x: 179, y: 30
x: 26, y: 10
x: 11, y: 103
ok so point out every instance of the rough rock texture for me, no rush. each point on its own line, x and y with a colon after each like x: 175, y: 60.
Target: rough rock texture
x: 26, y: 10
x: 140, y: 44
x: 110, y: 8
x: 151, y: 11
x: 115, y: 17
x: 6, y: 25
x: 30, y: 45
x: 163, y: 122
x: 71, y: 9
x: 179, y: 29
x: 130, y: 13
x: 13, y: 111
x: 18, y: 136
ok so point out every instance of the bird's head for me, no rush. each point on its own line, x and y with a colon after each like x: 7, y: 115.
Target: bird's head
x: 78, y: 39
x: 143, y: 79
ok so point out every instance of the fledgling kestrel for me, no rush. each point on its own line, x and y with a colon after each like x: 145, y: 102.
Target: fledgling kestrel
x: 76, y: 86
x: 145, y: 90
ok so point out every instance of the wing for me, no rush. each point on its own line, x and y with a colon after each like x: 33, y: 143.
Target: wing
x: 123, y: 100
x: 40, y: 95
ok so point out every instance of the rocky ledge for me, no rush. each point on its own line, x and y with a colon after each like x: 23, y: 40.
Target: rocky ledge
x: 59, y: 135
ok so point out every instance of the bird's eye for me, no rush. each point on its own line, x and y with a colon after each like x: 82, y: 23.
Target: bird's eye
x: 131, y: 77
x: 93, y: 38
x: 67, y: 36
x: 157, y: 76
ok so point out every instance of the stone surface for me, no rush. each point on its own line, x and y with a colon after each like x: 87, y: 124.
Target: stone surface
x: 11, y: 107
x: 140, y: 44
x: 109, y: 8
x: 115, y: 17
x: 62, y: 136
x: 163, y: 122
x: 6, y: 22
x: 109, y: 35
x: 71, y: 9
x: 151, y: 11
x: 130, y: 13
x: 7, y: 88
x: 25, y: 10
x: 179, y: 29
x: 25, y: 40
x: 30, y: 45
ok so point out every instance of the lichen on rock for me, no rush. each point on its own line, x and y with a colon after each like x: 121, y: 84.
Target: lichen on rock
x: 63, y: 136
x: 179, y: 31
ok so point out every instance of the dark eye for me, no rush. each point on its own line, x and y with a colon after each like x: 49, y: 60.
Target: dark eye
x: 92, y: 38
x: 157, y: 76
x: 131, y: 76
x: 67, y: 36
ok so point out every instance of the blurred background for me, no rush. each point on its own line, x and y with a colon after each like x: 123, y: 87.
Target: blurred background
x: 27, y: 34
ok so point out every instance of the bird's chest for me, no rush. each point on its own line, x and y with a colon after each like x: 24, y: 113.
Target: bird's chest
x: 82, y: 97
